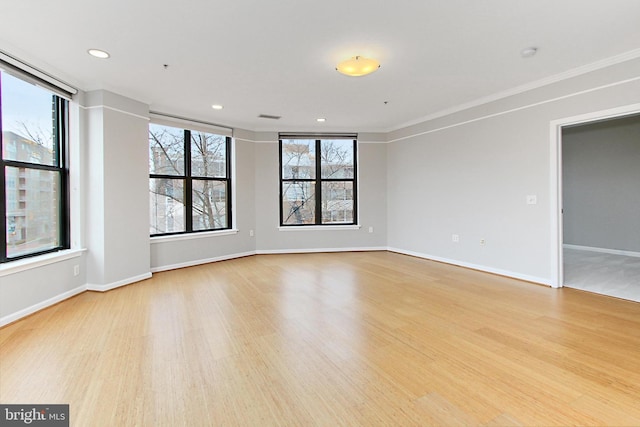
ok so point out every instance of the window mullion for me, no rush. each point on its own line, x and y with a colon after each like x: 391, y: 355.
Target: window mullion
x: 318, y: 183
x: 355, y: 182
x: 227, y: 159
x: 3, y: 195
x: 280, y: 205
x: 63, y: 163
x: 188, y: 183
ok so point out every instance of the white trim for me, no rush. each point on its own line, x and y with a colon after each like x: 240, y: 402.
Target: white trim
x: 191, y: 236
x: 201, y: 261
x: 595, y: 116
x: 555, y: 128
x: 483, y: 268
x: 41, y: 305
x: 318, y: 227
x: 602, y: 250
x: 25, y: 264
x: 128, y: 113
x: 555, y: 206
x: 276, y: 141
x: 627, y: 56
x: 103, y: 288
x: 318, y: 250
x: 242, y: 139
x: 119, y: 283
x: 512, y: 110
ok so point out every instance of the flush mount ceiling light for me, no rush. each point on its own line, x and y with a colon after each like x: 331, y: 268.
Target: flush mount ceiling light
x: 528, y: 52
x: 358, y: 66
x: 217, y: 107
x: 98, y: 53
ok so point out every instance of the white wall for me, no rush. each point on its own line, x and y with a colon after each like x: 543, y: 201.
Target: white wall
x: 118, y: 196
x: 371, y: 198
x: 601, y: 184
x: 469, y: 173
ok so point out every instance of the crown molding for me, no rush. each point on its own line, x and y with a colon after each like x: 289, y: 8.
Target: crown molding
x: 574, y: 72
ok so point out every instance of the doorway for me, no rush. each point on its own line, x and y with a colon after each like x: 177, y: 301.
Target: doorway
x: 598, y: 202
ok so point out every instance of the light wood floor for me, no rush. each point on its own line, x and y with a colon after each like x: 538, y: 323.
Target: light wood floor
x: 371, y: 339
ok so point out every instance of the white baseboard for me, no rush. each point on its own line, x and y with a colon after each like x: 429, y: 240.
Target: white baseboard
x: 318, y: 250
x: 103, y: 288
x: 602, y: 250
x: 41, y: 305
x: 123, y: 282
x: 200, y: 261
x: 486, y: 269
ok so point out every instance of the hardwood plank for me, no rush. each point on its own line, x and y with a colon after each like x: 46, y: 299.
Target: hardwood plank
x: 329, y: 339
x: 442, y: 412
x: 504, y: 420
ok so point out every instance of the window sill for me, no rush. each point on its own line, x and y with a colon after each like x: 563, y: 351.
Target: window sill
x: 319, y: 227
x: 25, y: 264
x: 192, y: 236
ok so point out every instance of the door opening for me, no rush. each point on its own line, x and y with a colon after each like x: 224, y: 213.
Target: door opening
x: 560, y: 210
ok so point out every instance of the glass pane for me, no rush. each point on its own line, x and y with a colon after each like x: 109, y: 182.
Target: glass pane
x: 337, y: 202
x: 167, y: 205
x: 166, y: 150
x: 298, y: 159
x: 208, y: 155
x: 32, y: 210
x: 298, y: 202
x: 28, y: 117
x: 209, y: 204
x: 336, y: 158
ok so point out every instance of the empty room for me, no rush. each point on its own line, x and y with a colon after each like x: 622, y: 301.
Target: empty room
x: 338, y: 213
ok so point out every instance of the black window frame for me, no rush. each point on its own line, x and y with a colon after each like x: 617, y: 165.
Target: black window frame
x: 318, y: 180
x: 60, y: 118
x: 188, y: 180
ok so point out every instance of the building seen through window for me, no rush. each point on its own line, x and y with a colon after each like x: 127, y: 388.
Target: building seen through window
x: 189, y: 181
x: 318, y: 181
x: 34, y: 174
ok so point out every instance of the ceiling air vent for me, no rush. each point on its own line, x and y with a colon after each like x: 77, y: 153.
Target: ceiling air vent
x: 268, y: 116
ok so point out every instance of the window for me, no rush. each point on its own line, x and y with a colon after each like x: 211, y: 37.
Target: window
x: 318, y: 180
x: 33, y: 180
x: 189, y: 181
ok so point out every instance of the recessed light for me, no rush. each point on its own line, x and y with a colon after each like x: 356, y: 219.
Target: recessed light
x: 529, y: 52
x: 217, y: 107
x: 98, y: 53
x: 321, y: 119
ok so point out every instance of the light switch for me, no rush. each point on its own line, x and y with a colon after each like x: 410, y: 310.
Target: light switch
x: 532, y: 199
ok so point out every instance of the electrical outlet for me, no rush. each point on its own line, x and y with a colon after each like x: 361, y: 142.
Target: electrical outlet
x: 370, y: 229
x: 482, y: 242
x: 532, y: 199
x: 455, y: 238
x: 251, y: 233
x: 76, y: 270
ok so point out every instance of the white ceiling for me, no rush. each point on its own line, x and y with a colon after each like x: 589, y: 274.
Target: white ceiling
x: 278, y: 57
